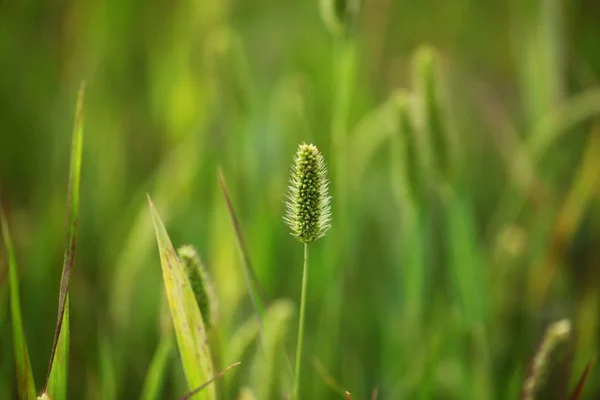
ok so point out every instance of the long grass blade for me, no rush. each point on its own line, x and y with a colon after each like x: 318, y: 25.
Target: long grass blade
x: 187, y: 320
x: 57, y: 384
x: 25, y: 382
x: 211, y: 380
x: 59, y: 378
x: 252, y: 285
x: 268, y: 365
x: 157, y: 370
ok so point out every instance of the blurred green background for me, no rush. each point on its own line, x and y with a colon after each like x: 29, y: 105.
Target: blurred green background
x: 444, y: 263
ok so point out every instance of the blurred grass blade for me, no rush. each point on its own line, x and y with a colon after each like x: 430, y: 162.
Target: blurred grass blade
x: 25, y: 382
x: 268, y: 365
x: 249, y: 274
x: 56, y: 381
x: 246, y: 394
x: 211, y: 380
x: 108, y: 377
x: 156, y: 372
x: 240, y: 341
x: 187, y: 320
x: 578, y: 391
x: 252, y: 284
x: 371, y: 132
x: 437, y: 137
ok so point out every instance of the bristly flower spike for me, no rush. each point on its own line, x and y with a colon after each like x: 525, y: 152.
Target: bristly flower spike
x: 308, y: 213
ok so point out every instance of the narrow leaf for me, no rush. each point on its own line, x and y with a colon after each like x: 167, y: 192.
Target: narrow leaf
x: 267, y: 371
x: 187, y: 320
x: 156, y: 372
x: 580, y: 384
x: 211, y: 380
x: 249, y: 274
x: 25, y: 383
x: 57, y: 384
x: 57, y: 381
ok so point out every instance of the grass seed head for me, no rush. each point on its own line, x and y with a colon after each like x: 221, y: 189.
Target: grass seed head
x: 308, y: 212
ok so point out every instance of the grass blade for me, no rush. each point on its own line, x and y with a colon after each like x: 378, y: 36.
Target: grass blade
x: 187, y: 320
x: 579, y: 388
x: 25, y: 382
x: 56, y: 381
x: 253, y: 287
x: 57, y: 384
x: 205, y: 384
x: 249, y: 274
x: 268, y: 365
x: 156, y: 372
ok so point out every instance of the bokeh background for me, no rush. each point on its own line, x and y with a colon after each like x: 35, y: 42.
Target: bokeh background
x: 444, y: 263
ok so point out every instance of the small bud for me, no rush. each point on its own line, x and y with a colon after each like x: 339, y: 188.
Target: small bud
x: 201, y: 284
x: 308, y: 213
x: 339, y: 15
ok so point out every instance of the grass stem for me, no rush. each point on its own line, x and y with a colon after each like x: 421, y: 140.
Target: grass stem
x: 301, y: 323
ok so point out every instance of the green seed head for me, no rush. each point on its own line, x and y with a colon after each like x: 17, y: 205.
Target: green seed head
x: 201, y: 284
x: 307, y: 209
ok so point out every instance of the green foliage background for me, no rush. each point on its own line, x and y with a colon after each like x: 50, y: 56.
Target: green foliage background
x: 505, y: 243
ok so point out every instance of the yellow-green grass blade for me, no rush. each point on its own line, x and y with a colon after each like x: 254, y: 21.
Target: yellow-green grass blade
x: 56, y: 378
x: 156, y: 373
x: 187, y: 320
x: 25, y: 382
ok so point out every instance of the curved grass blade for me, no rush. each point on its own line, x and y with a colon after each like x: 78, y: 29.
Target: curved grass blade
x: 158, y: 366
x: 187, y: 320
x: 56, y: 381
x: 211, y: 380
x: 25, y: 383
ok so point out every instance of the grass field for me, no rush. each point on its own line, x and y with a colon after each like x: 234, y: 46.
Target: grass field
x: 462, y: 144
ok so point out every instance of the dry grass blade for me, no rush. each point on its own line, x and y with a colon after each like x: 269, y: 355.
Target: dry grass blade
x: 211, y: 380
x: 69, y: 257
x: 187, y: 320
x: 25, y: 382
x: 580, y: 384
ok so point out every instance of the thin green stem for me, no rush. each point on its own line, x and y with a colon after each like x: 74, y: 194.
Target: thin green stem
x: 301, y: 323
